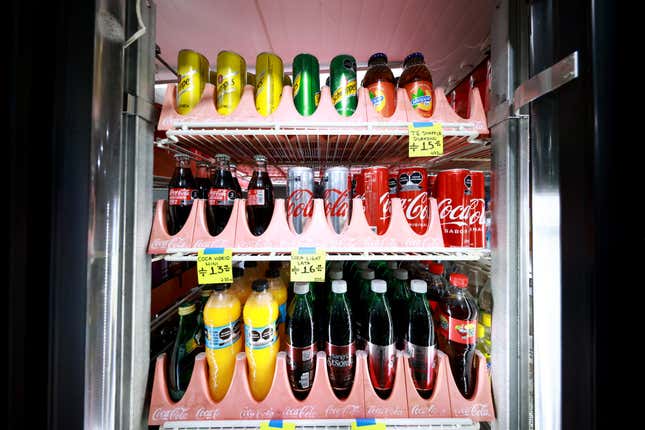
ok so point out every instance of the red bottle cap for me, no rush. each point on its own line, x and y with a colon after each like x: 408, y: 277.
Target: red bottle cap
x: 436, y: 268
x: 459, y: 280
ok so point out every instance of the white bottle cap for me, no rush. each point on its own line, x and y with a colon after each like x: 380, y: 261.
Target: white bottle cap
x: 419, y: 286
x: 336, y: 275
x: 401, y: 274
x: 339, y: 286
x: 301, y: 287
x: 379, y: 286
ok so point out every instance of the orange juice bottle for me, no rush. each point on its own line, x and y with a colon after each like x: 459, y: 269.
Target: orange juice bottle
x: 261, y: 338
x: 279, y: 291
x: 222, y: 324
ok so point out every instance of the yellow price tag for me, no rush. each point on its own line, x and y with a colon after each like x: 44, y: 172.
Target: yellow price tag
x: 308, y: 265
x: 367, y: 424
x: 277, y: 424
x: 215, y: 266
x: 425, y: 139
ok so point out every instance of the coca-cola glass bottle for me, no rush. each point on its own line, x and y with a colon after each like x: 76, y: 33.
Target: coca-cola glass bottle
x: 202, y: 179
x: 233, y: 169
x: 221, y: 196
x: 181, y: 192
x: 259, y: 200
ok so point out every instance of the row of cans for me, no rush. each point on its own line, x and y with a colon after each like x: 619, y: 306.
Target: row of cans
x: 460, y: 195
x: 231, y: 76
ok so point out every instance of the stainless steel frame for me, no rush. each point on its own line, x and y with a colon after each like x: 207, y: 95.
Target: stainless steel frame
x: 118, y: 296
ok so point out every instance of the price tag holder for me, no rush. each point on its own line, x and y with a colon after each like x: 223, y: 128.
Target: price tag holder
x: 425, y: 139
x: 277, y: 424
x: 367, y: 424
x: 215, y: 266
x: 308, y: 265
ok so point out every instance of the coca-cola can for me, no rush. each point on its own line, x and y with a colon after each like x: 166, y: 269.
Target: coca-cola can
x: 432, y: 177
x: 376, y: 198
x: 336, y: 197
x: 452, y: 191
x: 300, y: 197
x: 413, y: 192
x: 477, y: 218
x: 393, y: 182
x: 358, y: 186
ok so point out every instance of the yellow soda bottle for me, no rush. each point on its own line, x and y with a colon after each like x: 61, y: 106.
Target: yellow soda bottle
x: 261, y: 338
x: 223, y: 326
x: 279, y: 291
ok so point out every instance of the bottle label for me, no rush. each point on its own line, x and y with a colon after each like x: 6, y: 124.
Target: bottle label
x: 180, y: 196
x: 433, y: 305
x: 383, y: 97
x: 296, y: 84
x: 282, y: 318
x: 224, y: 335
x: 420, y: 93
x: 255, y: 197
x: 191, y: 345
x: 229, y: 83
x: 422, y: 362
x: 300, y: 366
x: 381, y: 361
x: 455, y: 330
x: 344, y: 92
x: 261, y: 337
x: 221, y: 197
x: 341, y: 360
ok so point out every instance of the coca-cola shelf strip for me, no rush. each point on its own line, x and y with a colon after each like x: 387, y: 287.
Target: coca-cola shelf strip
x: 287, y: 137
x: 357, y: 239
x: 328, y: 424
x: 321, y: 402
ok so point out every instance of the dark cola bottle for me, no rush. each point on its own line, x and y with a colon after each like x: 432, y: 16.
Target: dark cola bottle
x: 182, y: 190
x: 233, y: 168
x: 259, y: 200
x: 221, y: 196
x: 202, y: 179
x: 339, y: 338
x: 381, y: 340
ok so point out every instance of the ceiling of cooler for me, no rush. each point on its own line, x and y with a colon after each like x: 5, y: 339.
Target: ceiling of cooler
x: 452, y: 34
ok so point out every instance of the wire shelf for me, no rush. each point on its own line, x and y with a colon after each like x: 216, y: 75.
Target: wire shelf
x: 331, y: 424
x: 382, y: 254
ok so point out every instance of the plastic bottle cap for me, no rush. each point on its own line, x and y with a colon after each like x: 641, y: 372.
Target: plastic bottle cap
x: 223, y: 156
x: 401, y: 274
x: 301, y: 287
x: 250, y: 264
x: 413, y: 56
x: 367, y: 274
x: 336, y: 275
x: 419, y: 286
x: 260, y: 285
x: 339, y: 286
x: 378, y: 58
x: 206, y: 292
x: 363, y: 264
x: 260, y: 158
x: 272, y: 273
x: 436, y: 268
x: 186, y: 309
x: 221, y: 287
x: 238, y: 272
x: 275, y: 264
x: 459, y: 280
x: 181, y: 157
x: 392, y: 265
x: 379, y: 286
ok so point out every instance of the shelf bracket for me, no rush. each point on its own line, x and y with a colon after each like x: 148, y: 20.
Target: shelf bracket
x: 546, y: 81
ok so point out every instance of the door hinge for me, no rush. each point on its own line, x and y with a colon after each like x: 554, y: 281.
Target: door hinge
x: 138, y: 106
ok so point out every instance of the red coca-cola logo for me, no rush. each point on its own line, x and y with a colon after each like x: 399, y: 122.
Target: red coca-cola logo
x: 416, y: 208
x: 340, y: 206
x: 300, y: 203
x: 386, y: 206
x: 449, y: 214
x: 476, y: 212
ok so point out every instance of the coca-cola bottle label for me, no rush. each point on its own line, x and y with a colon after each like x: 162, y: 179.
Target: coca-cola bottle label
x: 340, y: 361
x: 300, y: 366
x: 422, y: 362
x: 300, y: 203
x: 224, y: 335
x: 255, y: 197
x: 381, y: 360
x: 456, y: 330
x: 221, y: 197
x: 180, y: 196
x: 261, y: 337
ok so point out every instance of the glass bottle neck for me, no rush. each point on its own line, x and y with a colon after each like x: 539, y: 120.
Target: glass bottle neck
x: 261, y: 166
x: 184, y: 163
x: 233, y: 171
x: 222, y: 164
x: 203, y: 171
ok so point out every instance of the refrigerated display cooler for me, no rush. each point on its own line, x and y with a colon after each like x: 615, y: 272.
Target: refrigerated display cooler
x: 106, y: 346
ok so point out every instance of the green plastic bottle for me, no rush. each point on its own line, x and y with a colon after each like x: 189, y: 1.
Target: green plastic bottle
x: 184, y: 351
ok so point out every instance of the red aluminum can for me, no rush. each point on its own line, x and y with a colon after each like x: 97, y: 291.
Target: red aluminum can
x: 358, y: 186
x: 376, y: 198
x: 393, y: 182
x: 477, y: 218
x: 432, y: 177
x: 452, y: 191
x: 413, y: 192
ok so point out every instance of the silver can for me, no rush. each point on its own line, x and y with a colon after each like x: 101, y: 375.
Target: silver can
x: 337, y: 186
x: 300, y: 197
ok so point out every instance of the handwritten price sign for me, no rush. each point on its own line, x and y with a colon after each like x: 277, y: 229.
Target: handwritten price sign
x: 425, y: 139
x: 214, y: 266
x: 308, y: 265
